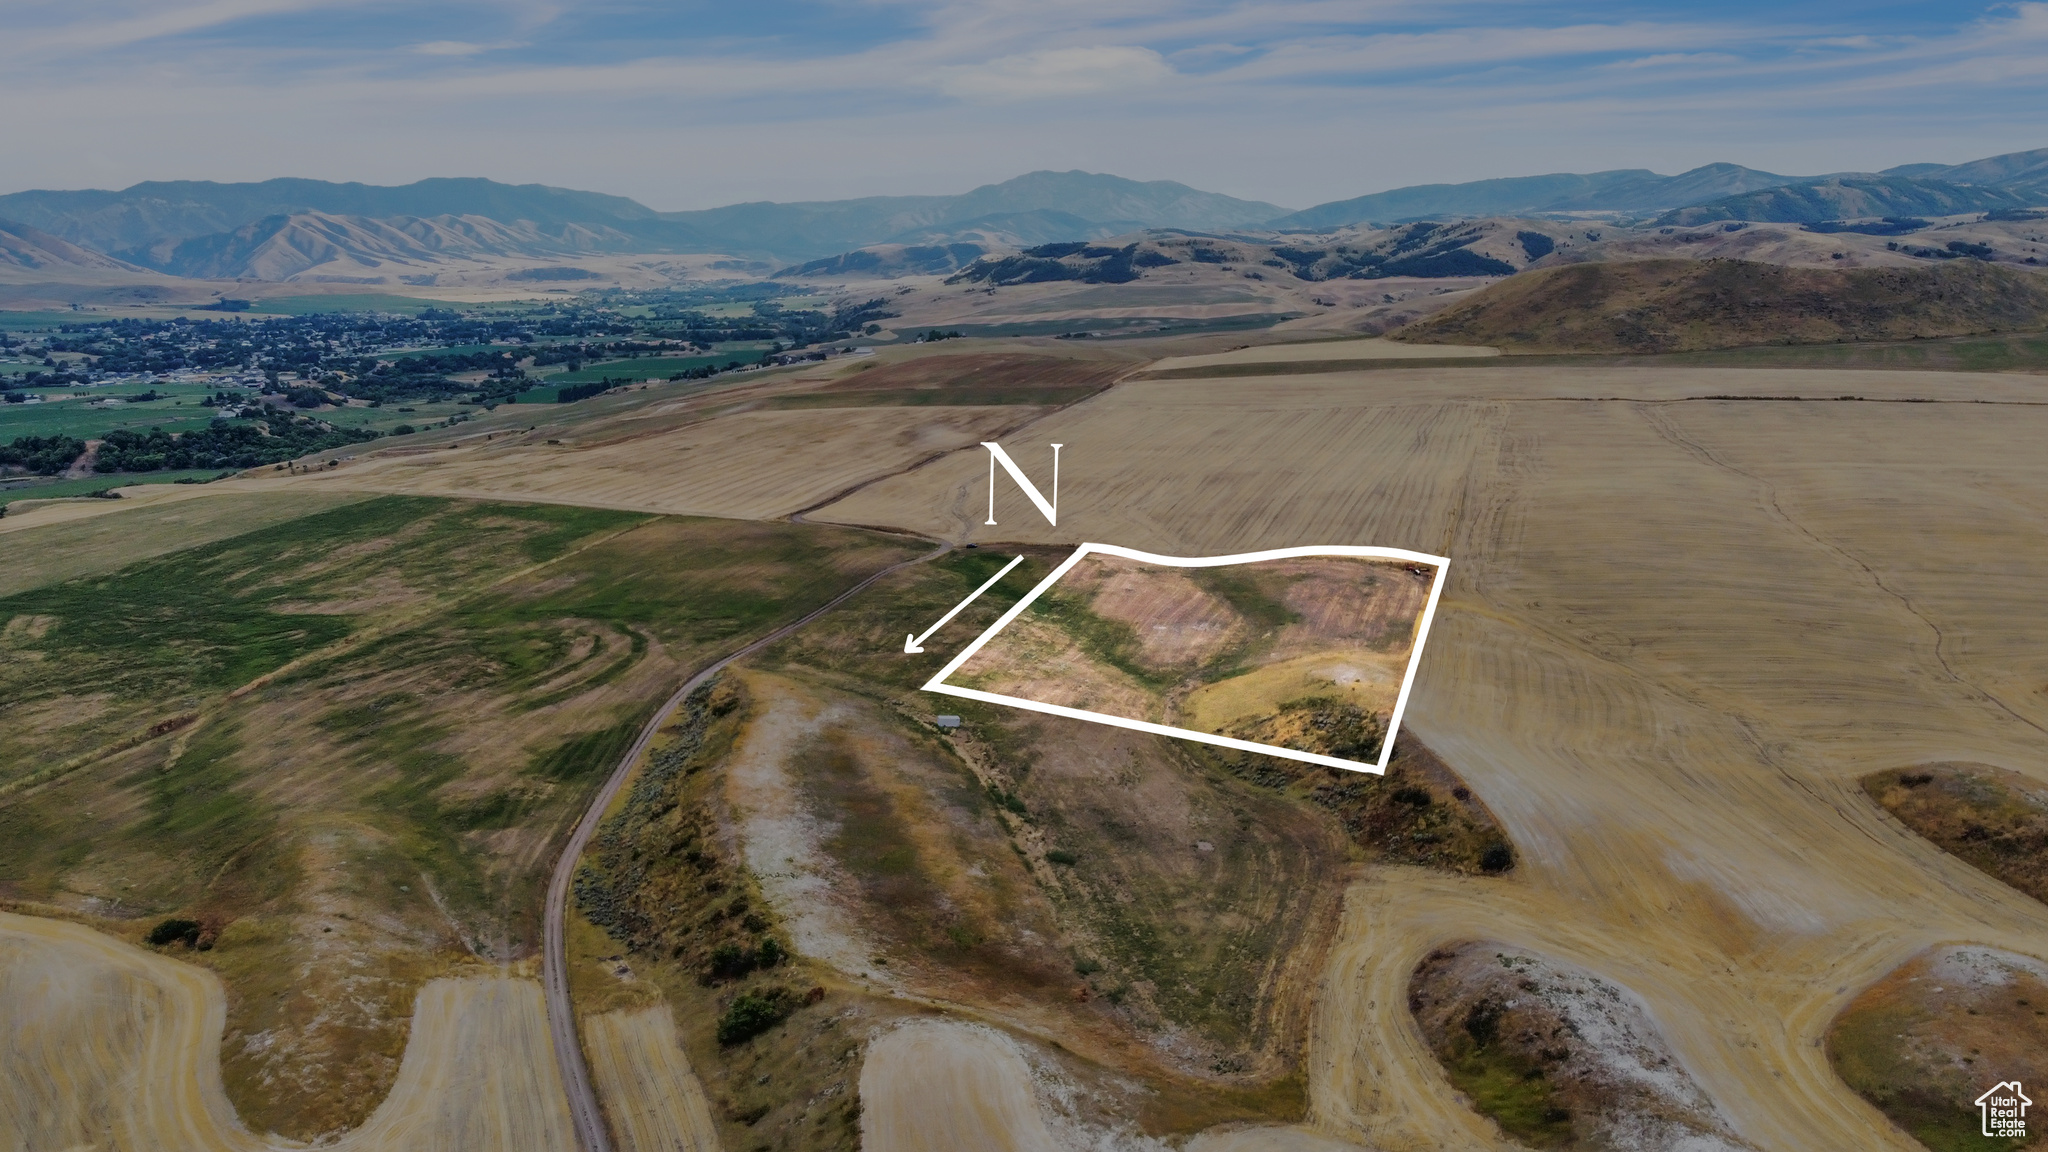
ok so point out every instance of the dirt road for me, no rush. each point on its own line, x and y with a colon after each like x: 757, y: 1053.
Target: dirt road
x: 591, y: 1134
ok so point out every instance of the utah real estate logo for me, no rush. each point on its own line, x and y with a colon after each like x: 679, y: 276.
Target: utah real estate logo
x: 2004, y: 1110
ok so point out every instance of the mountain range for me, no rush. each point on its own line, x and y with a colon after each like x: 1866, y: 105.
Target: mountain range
x: 1036, y: 207
x: 282, y: 228
x: 2016, y: 177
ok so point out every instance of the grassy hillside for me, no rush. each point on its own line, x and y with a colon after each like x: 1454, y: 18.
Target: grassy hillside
x: 1690, y: 305
x: 345, y: 748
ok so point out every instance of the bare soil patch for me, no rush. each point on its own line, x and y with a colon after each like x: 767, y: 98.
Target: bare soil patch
x: 1559, y: 1057
x: 1251, y: 649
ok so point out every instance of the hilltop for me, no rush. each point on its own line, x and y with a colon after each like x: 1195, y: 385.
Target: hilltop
x: 1689, y: 305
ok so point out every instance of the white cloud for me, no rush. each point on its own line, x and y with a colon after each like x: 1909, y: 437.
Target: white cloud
x: 157, y: 22
x: 1057, y: 72
x: 1677, y: 59
x: 448, y: 48
x: 1314, y: 99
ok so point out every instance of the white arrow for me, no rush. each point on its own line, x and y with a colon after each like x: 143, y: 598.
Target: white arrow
x: 910, y: 644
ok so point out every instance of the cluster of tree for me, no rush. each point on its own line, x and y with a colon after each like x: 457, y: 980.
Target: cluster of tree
x: 339, y: 352
x: 42, y: 455
x: 1954, y: 250
x: 278, y: 437
x: 308, y: 346
x: 1889, y: 226
x: 64, y: 377
x: 574, y: 354
x: 571, y: 393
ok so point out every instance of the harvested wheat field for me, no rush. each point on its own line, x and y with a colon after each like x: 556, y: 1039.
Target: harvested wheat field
x: 749, y: 464
x: 657, y: 1102
x: 1688, y: 611
x: 1320, y: 351
x: 112, y: 1047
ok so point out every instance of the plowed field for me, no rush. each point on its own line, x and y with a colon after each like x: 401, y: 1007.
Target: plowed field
x: 1680, y: 626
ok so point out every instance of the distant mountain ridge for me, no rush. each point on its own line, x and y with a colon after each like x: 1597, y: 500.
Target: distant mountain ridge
x: 155, y: 211
x: 145, y: 217
x: 30, y: 251
x: 1847, y: 197
x: 280, y: 229
x: 1624, y: 189
x: 1637, y: 191
x: 284, y: 247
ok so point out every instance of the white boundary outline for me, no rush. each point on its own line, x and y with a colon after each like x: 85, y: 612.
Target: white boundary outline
x: 937, y: 682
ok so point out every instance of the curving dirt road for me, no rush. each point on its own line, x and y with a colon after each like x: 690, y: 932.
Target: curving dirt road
x: 591, y: 1134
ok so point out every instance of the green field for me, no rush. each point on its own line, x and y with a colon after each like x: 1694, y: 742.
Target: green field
x: 449, y: 680
x: 454, y: 350
x: 366, y: 302
x: 66, y: 413
x: 38, y: 488
x: 44, y: 321
x: 647, y: 367
x: 179, y: 411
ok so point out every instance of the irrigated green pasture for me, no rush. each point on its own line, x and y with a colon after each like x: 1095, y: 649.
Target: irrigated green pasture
x: 69, y: 411
x: 647, y: 367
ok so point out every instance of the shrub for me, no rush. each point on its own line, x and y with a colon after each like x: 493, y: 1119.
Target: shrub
x: 1497, y: 858
x: 174, y: 930
x: 752, y: 1013
x: 1062, y: 856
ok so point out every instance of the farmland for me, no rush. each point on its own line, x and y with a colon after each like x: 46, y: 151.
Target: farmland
x: 1273, y: 651
x: 1693, y: 613
x: 1670, y: 607
x: 342, y: 745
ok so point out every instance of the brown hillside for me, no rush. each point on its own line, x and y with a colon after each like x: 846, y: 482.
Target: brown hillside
x: 1688, y: 305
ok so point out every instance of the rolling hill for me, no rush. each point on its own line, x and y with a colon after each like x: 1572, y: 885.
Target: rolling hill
x: 30, y: 250
x: 284, y: 247
x: 1689, y: 305
x: 1847, y: 198
x: 150, y: 213
x: 1626, y: 189
x: 2022, y: 171
x: 1638, y: 191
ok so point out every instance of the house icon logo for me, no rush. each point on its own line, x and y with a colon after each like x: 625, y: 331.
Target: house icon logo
x: 2004, y: 1110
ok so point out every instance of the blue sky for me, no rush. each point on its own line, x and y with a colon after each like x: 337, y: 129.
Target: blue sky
x: 691, y: 104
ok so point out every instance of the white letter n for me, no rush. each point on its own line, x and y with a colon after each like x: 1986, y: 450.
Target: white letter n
x: 996, y: 456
